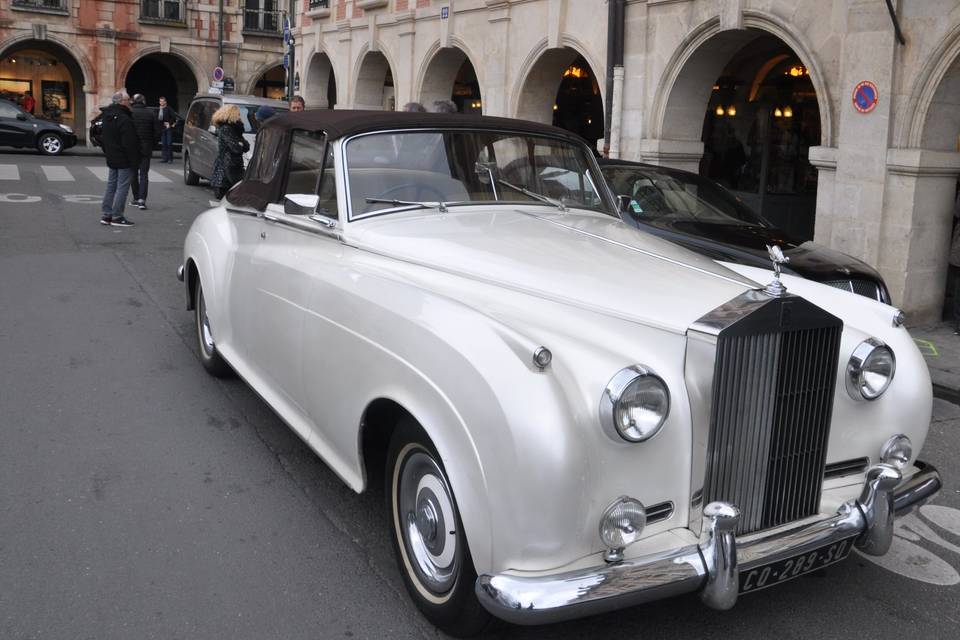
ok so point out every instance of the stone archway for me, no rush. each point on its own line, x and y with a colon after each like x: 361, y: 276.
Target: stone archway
x: 373, y: 88
x: 320, y: 89
x: 561, y: 88
x: 451, y: 76
x: 54, y: 76
x: 162, y: 74
x: 271, y: 83
x: 743, y: 109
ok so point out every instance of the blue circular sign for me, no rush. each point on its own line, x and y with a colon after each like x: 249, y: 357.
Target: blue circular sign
x: 865, y: 97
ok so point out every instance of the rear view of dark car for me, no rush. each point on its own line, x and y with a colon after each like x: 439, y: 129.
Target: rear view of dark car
x: 23, y: 130
x: 700, y: 215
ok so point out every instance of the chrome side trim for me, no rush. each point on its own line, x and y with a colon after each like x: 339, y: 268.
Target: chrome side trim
x: 711, y: 567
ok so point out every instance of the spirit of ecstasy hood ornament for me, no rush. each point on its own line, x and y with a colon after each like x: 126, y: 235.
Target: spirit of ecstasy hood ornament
x: 776, y: 288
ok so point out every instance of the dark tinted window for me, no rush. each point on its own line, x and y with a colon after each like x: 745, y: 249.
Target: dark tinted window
x: 8, y: 110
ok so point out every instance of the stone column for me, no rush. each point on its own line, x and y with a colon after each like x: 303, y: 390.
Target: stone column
x: 496, y: 92
x: 825, y: 160
x: 915, y: 232
x: 678, y: 154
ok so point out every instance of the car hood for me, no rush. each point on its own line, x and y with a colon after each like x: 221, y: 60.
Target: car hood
x: 588, y: 260
x: 746, y: 244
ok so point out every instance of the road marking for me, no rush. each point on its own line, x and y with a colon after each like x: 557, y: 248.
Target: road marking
x: 176, y: 172
x: 927, y: 348
x: 19, y: 198
x: 100, y: 172
x: 57, y: 173
x: 81, y: 198
x: 908, y: 558
x: 9, y: 172
x: 156, y: 176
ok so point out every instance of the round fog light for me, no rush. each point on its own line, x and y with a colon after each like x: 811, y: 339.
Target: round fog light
x: 897, y: 451
x: 621, y: 524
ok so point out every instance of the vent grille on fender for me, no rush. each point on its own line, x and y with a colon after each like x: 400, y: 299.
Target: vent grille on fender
x: 773, y: 388
x: 867, y: 288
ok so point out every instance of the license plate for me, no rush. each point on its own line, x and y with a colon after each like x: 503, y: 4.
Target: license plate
x: 782, y: 570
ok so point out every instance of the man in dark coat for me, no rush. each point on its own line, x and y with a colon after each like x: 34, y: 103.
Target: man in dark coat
x: 167, y: 118
x: 121, y: 146
x: 148, y: 131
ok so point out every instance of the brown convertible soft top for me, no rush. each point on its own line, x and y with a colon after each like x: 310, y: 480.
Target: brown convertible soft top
x: 264, y: 177
x: 337, y: 123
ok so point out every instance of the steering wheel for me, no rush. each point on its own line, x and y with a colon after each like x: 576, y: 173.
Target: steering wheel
x: 418, y: 190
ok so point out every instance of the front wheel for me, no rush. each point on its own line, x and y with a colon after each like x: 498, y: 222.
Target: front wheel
x: 428, y: 536
x: 50, y: 144
x: 211, y: 359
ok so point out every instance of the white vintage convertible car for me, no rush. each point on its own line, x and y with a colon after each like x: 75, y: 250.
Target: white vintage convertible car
x: 569, y: 415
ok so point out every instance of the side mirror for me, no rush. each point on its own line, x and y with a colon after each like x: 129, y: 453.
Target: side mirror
x: 300, y: 204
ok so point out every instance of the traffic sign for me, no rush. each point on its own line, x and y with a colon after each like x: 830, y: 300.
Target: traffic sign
x: 865, y: 97
x: 286, y: 29
x: 217, y: 83
x: 286, y: 61
x: 218, y: 74
x: 229, y: 84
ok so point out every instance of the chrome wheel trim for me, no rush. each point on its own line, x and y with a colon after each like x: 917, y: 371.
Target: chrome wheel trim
x: 203, y: 326
x: 51, y: 144
x: 426, y: 524
x: 186, y: 166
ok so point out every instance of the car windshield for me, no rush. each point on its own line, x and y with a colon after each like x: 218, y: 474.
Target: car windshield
x: 249, y: 118
x: 657, y: 194
x: 397, y: 170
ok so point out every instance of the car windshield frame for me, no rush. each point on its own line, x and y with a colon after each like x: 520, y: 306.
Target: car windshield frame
x: 744, y: 215
x: 593, y: 176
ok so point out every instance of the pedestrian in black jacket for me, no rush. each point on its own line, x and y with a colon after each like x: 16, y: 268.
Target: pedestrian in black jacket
x: 148, y: 131
x: 121, y: 146
x: 167, y: 118
x: 228, y: 167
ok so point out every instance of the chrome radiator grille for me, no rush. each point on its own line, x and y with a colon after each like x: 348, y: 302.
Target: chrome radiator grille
x: 772, y: 402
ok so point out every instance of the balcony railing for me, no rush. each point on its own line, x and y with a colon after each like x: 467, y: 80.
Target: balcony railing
x: 162, y: 11
x: 263, y: 21
x: 319, y: 4
x: 52, y: 6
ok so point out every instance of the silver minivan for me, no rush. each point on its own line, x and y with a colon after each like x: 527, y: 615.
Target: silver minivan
x: 200, y: 137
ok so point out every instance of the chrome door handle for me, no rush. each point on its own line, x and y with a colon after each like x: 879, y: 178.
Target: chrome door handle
x: 269, y: 217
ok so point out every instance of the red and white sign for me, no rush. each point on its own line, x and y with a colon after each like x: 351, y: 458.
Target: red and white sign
x: 865, y: 97
x: 218, y: 74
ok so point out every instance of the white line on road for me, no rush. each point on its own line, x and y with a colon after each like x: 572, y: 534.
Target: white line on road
x: 9, y: 172
x: 57, y: 173
x: 100, y: 172
x: 176, y: 172
x: 156, y: 176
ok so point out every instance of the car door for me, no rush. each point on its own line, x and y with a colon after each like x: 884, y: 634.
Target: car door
x: 16, y: 128
x: 272, y: 279
x: 201, y: 142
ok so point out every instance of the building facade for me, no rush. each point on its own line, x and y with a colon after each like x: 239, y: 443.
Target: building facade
x: 814, y: 112
x: 761, y: 95
x: 73, y: 55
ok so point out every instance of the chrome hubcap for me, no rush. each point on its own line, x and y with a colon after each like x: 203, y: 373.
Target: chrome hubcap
x: 51, y: 144
x: 429, y: 525
x: 206, y: 336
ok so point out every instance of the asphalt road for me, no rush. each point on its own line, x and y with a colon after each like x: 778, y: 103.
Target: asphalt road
x: 140, y: 498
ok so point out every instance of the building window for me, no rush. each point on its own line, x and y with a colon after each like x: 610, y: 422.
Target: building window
x: 59, y: 6
x: 319, y: 4
x: 162, y: 10
x: 263, y: 16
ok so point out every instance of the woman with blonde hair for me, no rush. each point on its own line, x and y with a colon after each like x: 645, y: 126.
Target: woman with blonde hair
x: 228, y: 167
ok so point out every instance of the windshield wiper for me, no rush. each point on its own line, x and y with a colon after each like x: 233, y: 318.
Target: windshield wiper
x: 442, y: 206
x: 533, y: 194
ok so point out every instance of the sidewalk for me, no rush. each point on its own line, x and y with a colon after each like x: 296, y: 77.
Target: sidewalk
x: 941, y: 349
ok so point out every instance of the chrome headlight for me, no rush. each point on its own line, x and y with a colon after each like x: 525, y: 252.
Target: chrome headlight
x: 634, y: 405
x: 870, y: 370
x: 897, y: 451
x: 621, y: 524
x: 66, y: 128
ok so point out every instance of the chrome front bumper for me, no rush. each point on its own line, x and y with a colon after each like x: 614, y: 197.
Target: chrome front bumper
x: 712, y: 566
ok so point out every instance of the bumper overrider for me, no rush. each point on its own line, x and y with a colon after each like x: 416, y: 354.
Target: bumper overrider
x: 711, y: 567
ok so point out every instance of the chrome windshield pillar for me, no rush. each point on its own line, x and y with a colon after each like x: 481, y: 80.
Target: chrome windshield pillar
x: 877, y: 504
x: 720, y: 556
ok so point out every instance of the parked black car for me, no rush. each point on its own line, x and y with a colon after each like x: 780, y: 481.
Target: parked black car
x: 699, y: 214
x: 96, y: 129
x: 22, y: 130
